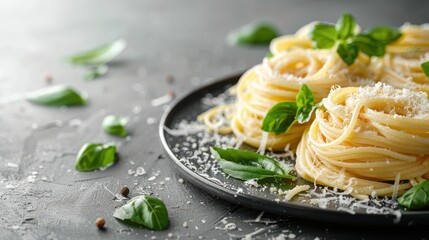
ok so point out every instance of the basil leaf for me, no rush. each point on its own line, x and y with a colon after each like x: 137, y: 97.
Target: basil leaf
x: 304, y: 114
x: 100, y: 55
x: 283, y: 115
x: 384, y: 35
x: 425, y: 68
x: 96, y: 72
x: 147, y: 211
x: 417, y: 197
x: 253, y: 34
x: 269, y: 55
x: 280, y: 118
x: 304, y: 97
x: 323, y: 35
x: 348, y: 52
x: 246, y: 165
x: 345, y: 26
x: 115, y: 126
x: 57, y: 96
x: 368, y: 45
x: 94, y: 156
x: 305, y: 101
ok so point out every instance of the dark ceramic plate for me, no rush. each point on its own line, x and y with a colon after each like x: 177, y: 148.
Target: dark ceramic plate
x: 190, y: 157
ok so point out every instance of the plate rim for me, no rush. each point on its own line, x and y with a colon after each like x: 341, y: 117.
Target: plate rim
x: 295, y: 210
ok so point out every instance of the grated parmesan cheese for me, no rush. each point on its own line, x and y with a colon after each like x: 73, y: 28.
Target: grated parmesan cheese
x: 294, y: 191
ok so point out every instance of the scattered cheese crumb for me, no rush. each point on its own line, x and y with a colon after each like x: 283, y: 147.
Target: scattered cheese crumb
x: 294, y: 191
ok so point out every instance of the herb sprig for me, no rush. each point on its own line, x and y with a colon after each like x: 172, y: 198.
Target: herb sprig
x: 283, y: 115
x: 343, y: 37
x: 259, y: 33
x: 115, y: 125
x: 247, y: 165
x: 57, y: 96
x: 96, y: 59
x: 144, y: 210
x: 416, y: 197
x: 99, y: 55
x: 94, y: 156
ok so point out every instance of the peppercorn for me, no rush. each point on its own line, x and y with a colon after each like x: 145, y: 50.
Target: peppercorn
x: 100, y: 223
x: 125, y: 191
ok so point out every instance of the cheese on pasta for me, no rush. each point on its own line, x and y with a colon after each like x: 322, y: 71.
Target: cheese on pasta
x: 364, y: 138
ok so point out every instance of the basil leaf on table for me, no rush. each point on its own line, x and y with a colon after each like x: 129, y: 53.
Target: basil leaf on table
x: 247, y: 165
x: 115, y: 126
x: 425, y: 68
x: 94, y: 156
x: 100, y: 55
x: 253, y: 34
x: 345, y: 26
x: 368, y: 45
x: 147, y: 211
x: 385, y: 35
x: 324, y: 35
x: 96, y: 72
x: 57, y: 96
x: 348, y: 52
x: 416, y: 197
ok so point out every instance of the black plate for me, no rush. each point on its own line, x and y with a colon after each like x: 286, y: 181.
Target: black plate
x: 189, y: 107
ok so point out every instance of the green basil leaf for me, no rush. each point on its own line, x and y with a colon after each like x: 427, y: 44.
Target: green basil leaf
x: 147, y: 211
x: 253, y: 34
x: 368, y: 45
x: 269, y: 55
x: 96, y: 72
x: 280, y: 118
x: 100, y: 55
x: 425, y: 68
x: 94, y: 156
x: 115, y: 126
x: 305, y: 102
x: 417, y: 197
x: 385, y: 35
x: 246, y: 165
x: 304, y: 114
x: 345, y: 26
x: 57, y: 96
x: 348, y: 52
x: 323, y: 35
x: 304, y: 97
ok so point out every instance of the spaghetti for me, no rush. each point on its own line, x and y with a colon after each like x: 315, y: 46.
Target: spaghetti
x: 368, y: 141
x: 400, y: 67
x: 279, y: 79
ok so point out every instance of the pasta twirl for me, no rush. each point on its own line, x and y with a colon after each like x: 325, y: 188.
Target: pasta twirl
x: 277, y: 80
x: 400, y: 67
x: 366, y: 140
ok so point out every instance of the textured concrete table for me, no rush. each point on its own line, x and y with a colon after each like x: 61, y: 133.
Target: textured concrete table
x: 43, y: 197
